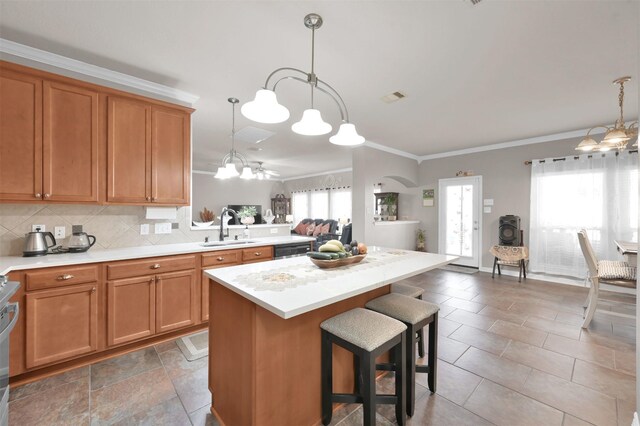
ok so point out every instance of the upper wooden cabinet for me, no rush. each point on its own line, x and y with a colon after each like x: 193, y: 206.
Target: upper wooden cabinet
x: 148, y: 153
x: 64, y: 140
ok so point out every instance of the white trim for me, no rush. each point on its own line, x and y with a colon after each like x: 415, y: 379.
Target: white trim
x: 540, y: 277
x: 391, y: 150
x: 202, y: 172
x: 31, y: 53
x: 330, y: 172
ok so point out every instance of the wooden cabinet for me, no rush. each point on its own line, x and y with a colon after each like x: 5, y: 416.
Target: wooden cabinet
x: 61, y: 324
x: 216, y: 259
x: 20, y: 137
x: 150, y: 296
x: 131, y: 310
x: 65, y: 140
x: 148, y: 153
x: 257, y: 254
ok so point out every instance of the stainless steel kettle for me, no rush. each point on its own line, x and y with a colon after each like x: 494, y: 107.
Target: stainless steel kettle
x: 35, y: 243
x: 80, y: 241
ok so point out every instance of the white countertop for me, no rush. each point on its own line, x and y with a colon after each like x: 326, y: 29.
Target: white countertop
x: 290, y: 287
x: 395, y: 222
x: 15, y: 263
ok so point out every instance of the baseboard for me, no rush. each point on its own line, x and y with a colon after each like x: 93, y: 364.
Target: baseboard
x: 540, y: 277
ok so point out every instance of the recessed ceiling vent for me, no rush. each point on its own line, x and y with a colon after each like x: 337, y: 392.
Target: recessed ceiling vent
x: 393, y: 97
x: 251, y: 134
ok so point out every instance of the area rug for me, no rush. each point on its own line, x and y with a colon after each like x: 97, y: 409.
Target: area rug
x: 462, y: 269
x: 194, y: 346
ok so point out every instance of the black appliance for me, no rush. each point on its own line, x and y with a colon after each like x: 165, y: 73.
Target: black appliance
x: 238, y: 207
x: 509, y: 230
x: 7, y: 322
x: 292, y: 249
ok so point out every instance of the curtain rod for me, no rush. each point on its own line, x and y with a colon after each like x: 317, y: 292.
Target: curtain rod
x: 530, y: 162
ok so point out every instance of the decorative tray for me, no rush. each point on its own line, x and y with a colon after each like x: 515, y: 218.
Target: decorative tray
x: 337, y: 262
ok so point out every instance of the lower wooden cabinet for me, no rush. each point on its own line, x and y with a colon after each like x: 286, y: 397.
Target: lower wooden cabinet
x: 131, y: 310
x: 61, y: 324
x: 175, y: 300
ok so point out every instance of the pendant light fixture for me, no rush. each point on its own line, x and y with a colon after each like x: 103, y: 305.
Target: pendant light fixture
x: 228, y: 168
x: 616, y: 137
x: 266, y: 109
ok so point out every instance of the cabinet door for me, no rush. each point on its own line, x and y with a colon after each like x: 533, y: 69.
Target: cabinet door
x: 131, y: 310
x: 61, y: 324
x: 171, y: 156
x: 70, y: 143
x: 20, y: 137
x: 128, y: 151
x: 175, y: 300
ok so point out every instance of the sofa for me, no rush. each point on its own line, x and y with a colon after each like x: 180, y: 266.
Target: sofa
x: 322, y: 229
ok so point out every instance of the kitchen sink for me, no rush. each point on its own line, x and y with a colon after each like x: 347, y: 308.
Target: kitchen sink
x: 226, y: 243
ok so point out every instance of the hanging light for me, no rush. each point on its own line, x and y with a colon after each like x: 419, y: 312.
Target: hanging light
x: 616, y: 137
x: 228, y: 168
x: 266, y: 109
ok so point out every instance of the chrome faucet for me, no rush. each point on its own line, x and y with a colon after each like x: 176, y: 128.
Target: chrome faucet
x: 235, y: 217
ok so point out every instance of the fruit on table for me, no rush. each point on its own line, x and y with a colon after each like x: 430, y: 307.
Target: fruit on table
x: 353, y: 243
x: 335, y: 243
x: 355, y: 251
x: 329, y: 248
x: 362, y: 248
x: 318, y: 255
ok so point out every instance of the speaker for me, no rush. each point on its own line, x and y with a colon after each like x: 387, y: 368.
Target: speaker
x: 509, y: 230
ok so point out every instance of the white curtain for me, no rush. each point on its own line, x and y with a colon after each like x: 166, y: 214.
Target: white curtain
x: 597, y: 192
x: 334, y: 203
x: 340, y: 201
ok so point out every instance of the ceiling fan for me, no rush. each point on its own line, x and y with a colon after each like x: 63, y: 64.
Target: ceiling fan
x: 262, y: 173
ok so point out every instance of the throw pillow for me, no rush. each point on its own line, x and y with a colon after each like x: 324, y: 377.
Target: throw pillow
x: 301, y: 228
x: 310, y: 228
x: 317, y: 230
x: 325, y: 228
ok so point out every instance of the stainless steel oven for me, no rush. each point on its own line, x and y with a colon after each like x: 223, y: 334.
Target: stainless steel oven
x: 8, y: 317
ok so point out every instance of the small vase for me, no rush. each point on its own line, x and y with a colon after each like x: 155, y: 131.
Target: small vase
x: 248, y: 220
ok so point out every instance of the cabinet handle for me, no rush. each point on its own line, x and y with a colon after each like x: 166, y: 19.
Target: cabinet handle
x: 258, y: 253
x: 38, y: 195
x: 64, y: 277
x: 155, y: 266
x: 148, y: 198
x: 220, y: 259
x: 93, y: 290
x: 47, y: 195
x: 153, y: 198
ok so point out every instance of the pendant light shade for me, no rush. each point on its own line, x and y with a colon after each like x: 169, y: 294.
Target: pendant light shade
x: 230, y: 170
x: 221, y: 173
x: 615, y: 136
x: 347, y: 136
x: 587, y: 144
x: 311, y: 124
x: 247, y: 173
x: 265, y: 108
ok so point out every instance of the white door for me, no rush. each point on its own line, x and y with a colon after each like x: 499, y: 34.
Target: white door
x: 459, y: 219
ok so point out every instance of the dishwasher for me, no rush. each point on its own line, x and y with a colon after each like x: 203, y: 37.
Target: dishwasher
x: 291, y: 250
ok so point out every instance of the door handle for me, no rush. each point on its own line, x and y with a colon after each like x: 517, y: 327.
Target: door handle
x: 220, y: 259
x: 38, y: 195
x: 64, y: 277
x: 257, y: 253
x: 155, y: 266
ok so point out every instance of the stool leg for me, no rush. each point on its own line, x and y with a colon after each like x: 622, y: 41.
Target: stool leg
x: 410, y: 357
x: 368, y: 389
x: 326, y: 371
x: 401, y: 402
x: 433, y: 353
x: 499, y: 272
x: 357, y: 377
x: 420, y: 339
x: 495, y: 262
x: 520, y: 271
x: 524, y: 269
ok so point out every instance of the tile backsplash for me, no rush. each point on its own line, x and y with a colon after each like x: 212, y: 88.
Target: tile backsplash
x: 113, y: 226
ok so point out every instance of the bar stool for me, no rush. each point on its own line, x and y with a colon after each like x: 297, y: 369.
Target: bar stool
x: 415, y: 314
x: 415, y: 292
x: 367, y: 335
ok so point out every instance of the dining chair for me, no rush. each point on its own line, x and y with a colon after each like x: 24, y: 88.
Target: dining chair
x: 610, y: 272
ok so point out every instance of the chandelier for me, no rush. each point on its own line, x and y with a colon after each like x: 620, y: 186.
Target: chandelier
x: 616, y: 137
x: 266, y: 109
x: 228, y: 168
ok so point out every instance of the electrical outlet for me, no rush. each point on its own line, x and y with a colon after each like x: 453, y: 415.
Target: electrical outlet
x: 274, y: 230
x: 144, y: 229
x: 42, y: 228
x: 60, y: 232
x: 163, y: 228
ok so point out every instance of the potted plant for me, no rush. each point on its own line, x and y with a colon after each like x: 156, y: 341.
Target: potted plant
x: 391, y: 202
x: 247, y: 215
x: 421, y: 239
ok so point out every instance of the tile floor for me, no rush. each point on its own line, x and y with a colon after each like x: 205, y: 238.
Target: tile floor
x: 509, y: 354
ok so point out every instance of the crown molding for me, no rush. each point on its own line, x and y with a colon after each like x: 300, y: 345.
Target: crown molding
x: 391, y: 150
x: 31, y: 53
x: 330, y: 172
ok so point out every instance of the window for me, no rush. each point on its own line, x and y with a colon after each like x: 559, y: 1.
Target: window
x: 598, y: 193
x: 334, y: 203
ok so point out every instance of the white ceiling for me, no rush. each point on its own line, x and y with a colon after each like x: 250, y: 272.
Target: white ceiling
x: 473, y: 75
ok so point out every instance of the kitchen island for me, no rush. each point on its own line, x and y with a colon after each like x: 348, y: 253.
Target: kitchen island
x: 264, y: 331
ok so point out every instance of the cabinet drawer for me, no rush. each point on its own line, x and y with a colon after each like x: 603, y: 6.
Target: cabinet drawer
x: 58, y: 277
x: 219, y: 258
x: 150, y: 266
x: 257, y: 254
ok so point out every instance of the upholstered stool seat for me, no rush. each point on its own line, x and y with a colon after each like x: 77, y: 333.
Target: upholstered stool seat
x: 411, y: 291
x: 367, y: 334
x: 415, y: 314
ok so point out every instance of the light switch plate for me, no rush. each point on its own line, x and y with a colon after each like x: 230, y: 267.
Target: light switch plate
x: 274, y: 230
x: 163, y: 228
x: 60, y: 232
x: 487, y: 209
x: 144, y: 229
x: 42, y: 228
x: 488, y: 202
